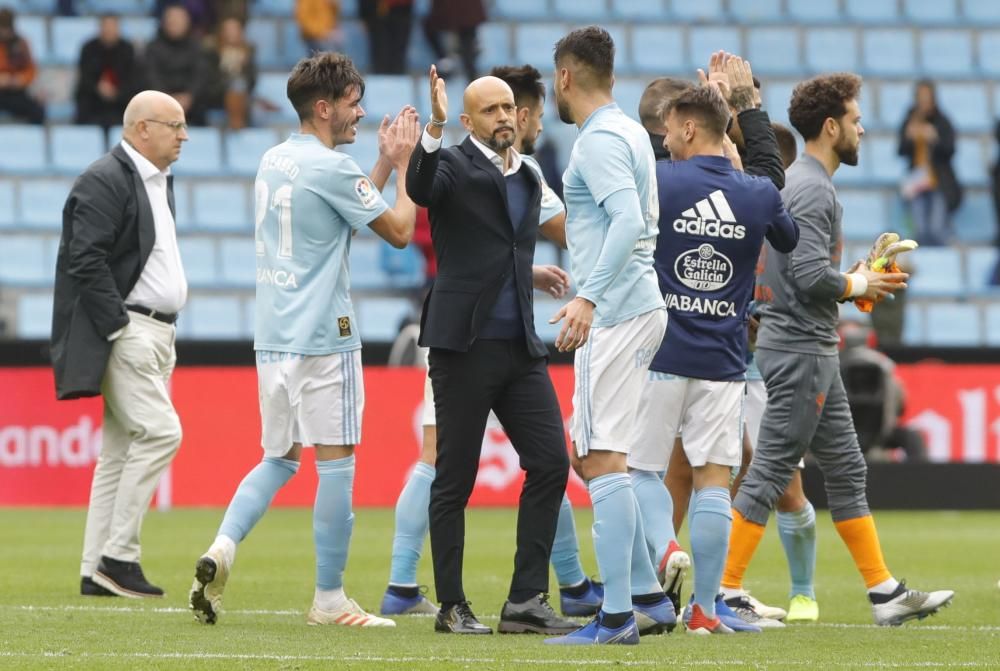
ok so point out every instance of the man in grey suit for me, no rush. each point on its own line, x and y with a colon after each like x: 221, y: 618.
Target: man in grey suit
x: 119, y: 286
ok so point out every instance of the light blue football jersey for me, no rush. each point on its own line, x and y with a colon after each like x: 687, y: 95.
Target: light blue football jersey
x: 551, y: 205
x: 612, y: 153
x: 309, y: 199
x: 753, y: 372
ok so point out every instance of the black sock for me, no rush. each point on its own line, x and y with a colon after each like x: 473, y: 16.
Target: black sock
x: 576, y: 590
x: 648, y: 599
x: 405, y: 592
x: 615, y: 620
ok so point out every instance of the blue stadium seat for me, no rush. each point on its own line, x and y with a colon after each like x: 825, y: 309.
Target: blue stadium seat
x: 871, y: 11
x: 623, y: 64
x: 533, y: 43
x: 974, y: 223
x: 521, y: 9
x: 894, y: 99
x: 199, y: 259
x: 182, y: 205
x: 69, y: 33
x: 42, y: 201
x: 946, y: 53
x: 75, y: 147
x: 864, y: 213
x: 34, y: 316
x: 355, y: 45
x: 387, y: 94
x: 120, y: 7
x: 991, y: 319
x: 703, y: 41
x: 276, y: 8
x: 930, y: 12
x: 810, y: 11
x: 937, y: 271
x: 981, y: 12
x: 627, y: 93
x: 380, y: 318
x: 830, y: 50
x: 888, y: 51
x: 293, y: 47
x: 271, y: 86
x: 980, y: 266
x: 886, y: 166
x: 138, y: 29
x: 24, y: 149
x: 756, y: 11
x: 24, y: 262
x: 578, y: 11
x: 638, y: 10
x: 697, y: 12
x: 201, y: 154
x: 856, y: 175
x: 239, y: 263
x: 34, y: 30
x: 419, y: 54
x: 494, y: 45
x: 913, y: 324
x: 546, y: 253
x: 244, y: 148
x: 658, y: 50
x: 970, y: 161
x: 404, y: 267
x: 364, y: 150
x: 967, y: 105
x: 777, y: 95
x: 774, y: 51
x: 989, y: 51
x: 221, y: 206
x: 366, y: 264
x: 6, y: 203
x: 545, y: 309
x: 953, y: 325
x: 263, y: 34
x: 213, y: 318
x: 249, y: 315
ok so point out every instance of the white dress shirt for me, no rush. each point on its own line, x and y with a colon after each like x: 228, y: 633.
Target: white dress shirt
x: 162, y: 285
x: 431, y: 144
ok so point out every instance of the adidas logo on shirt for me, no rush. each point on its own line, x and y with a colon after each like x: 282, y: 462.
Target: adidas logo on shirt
x: 711, y: 217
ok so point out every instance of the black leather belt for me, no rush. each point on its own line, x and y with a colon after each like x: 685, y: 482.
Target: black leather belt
x: 165, y: 317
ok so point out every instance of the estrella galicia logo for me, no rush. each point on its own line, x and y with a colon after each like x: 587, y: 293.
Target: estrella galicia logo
x: 704, y: 268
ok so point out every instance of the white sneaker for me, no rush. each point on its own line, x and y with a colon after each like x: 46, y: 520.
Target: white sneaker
x: 892, y: 610
x: 762, y: 609
x: 350, y: 614
x: 210, y: 575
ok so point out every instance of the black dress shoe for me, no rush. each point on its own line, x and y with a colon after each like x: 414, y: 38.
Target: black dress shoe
x: 124, y: 578
x: 534, y: 616
x: 458, y: 619
x: 90, y: 588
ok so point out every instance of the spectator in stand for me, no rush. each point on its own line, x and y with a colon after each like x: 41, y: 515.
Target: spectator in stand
x: 17, y: 71
x: 461, y: 17
x: 177, y: 64
x: 234, y: 70
x: 319, y: 24
x: 388, y: 23
x: 201, y: 13
x: 927, y: 140
x: 107, y: 76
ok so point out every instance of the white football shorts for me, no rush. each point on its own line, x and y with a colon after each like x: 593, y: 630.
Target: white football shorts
x: 709, y: 412
x: 312, y: 400
x: 610, y: 371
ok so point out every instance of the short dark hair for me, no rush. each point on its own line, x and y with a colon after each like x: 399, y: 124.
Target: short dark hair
x: 593, y: 48
x: 325, y: 74
x: 525, y: 81
x: 787, y: 145
x: 655, y: 98
x: 704, y: 103
x: 820, y: 98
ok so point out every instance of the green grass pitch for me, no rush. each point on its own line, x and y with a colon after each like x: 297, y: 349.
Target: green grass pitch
x: 45, y: 624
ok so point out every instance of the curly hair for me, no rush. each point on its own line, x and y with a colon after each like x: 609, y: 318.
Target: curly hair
x: 591, y: 47
x: 820, y: 98
x: 525, y: 81
x: 325, y: 74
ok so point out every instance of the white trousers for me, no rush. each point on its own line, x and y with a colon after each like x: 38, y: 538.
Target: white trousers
x: 141, y: 434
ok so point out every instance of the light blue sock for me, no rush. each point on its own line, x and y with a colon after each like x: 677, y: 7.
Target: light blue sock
x: 565, y: 549
x: 642, y: 575
x: 333, y: 520
x: 614, y: 534
x: 411, y: 525
x: 657, y: 510
x: 711, y: 520
x: 798, y: 536
x: 254, y: 495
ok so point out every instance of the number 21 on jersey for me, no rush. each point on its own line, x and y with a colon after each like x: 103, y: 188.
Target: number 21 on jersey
x: 279, y: 202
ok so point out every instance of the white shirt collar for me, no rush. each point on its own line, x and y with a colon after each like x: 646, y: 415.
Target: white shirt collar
x: 142, y: 164
x: 495, y: 159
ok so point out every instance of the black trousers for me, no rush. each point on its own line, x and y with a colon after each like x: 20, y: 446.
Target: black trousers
x: 502, y: 376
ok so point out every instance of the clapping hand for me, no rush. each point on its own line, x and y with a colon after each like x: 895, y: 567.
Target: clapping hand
x: 396, y: 140
x: 717, y: 75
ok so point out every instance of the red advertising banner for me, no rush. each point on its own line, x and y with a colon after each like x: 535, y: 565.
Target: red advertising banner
x: 48, y: 448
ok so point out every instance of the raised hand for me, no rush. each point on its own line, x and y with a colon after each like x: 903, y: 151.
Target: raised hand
x: 743, y: 95
x: 439, y: 97
x: 717, y: 75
